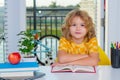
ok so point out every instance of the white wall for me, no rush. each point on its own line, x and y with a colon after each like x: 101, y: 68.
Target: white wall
x: 113, y: 22
x: 102, y: 24
x: 15, y: 21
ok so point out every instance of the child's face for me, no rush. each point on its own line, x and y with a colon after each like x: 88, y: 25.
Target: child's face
x: 78, y: 29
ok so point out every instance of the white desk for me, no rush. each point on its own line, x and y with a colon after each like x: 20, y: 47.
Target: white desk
x: 103, y: 73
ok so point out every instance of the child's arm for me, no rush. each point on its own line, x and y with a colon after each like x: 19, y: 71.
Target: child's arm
x: 91, y: 59
x: 64, y: 57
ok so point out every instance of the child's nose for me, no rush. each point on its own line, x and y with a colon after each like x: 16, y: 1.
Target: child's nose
x: 78, y: 28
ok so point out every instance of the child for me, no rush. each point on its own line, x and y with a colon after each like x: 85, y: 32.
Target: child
x: 78, y: 44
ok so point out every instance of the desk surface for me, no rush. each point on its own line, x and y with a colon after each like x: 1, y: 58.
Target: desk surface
x: 103, y: 73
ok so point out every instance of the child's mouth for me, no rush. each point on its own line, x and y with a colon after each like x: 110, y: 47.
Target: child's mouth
x: 77, y: 32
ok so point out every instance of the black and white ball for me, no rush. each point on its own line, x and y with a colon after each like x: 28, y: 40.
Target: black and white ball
x: 49, y: 61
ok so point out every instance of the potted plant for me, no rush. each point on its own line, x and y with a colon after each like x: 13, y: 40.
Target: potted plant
x: 26, y: 44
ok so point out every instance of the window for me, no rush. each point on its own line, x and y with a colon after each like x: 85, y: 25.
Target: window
x: 1, y: 30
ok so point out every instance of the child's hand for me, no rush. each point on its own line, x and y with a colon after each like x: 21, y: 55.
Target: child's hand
x: 54, y: 64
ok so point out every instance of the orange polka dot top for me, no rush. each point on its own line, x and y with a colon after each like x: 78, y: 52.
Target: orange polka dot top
x: 84, y: 48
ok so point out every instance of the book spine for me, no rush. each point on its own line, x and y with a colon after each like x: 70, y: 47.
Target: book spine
x: 19, y: 69
x: 17, y: 74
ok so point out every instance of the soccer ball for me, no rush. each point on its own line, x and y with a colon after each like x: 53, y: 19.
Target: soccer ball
x: 49, y: 61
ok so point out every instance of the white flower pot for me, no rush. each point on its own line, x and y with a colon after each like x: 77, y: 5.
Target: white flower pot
x: 32, y: 59
x: 28, y: 58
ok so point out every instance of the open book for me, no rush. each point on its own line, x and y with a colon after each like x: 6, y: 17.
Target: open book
x: 74, y: 68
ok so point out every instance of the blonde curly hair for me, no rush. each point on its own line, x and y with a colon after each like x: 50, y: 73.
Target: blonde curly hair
x: 85, y: 17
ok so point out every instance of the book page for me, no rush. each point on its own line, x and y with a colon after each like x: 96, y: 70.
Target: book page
x: 78, y: 68
x: 62, y: 68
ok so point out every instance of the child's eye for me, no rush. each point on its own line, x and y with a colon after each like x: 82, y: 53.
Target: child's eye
x: 82, y: 25
x: 73, y: 24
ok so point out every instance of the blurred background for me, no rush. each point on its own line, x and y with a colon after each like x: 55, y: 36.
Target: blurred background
x: 48, y: 15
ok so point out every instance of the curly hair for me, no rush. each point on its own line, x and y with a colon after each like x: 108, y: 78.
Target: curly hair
x: 85, y: 17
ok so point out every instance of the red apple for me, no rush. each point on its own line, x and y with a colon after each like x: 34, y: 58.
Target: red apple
x: 14, y: 57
